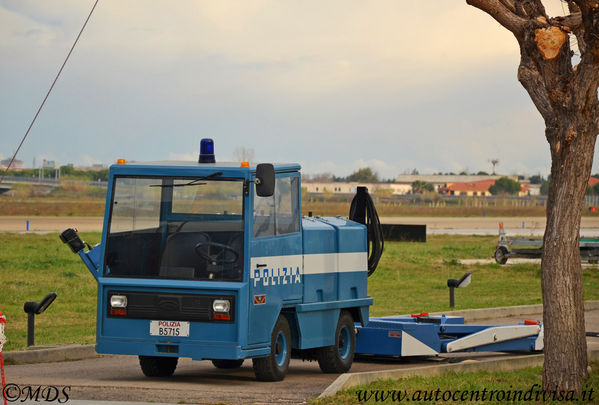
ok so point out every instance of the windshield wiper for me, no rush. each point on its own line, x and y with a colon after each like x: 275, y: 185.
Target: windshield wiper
x: 195, y: 182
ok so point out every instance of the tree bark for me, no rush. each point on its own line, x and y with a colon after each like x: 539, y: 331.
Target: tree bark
x: 563, y: 308
x: 566, y: 97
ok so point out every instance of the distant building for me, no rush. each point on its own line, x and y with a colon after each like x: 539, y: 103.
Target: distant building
x: 533, y: 189
x: 478, y: 188
x: 440, y: 180
x: 481, y: 189
x: 16, y: 164
x: 350, y: 188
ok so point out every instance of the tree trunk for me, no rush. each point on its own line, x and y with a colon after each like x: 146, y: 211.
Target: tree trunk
x: 566, y: 97
x: 563, y: 306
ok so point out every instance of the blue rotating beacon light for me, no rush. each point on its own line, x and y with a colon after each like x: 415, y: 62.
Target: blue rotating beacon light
x: 207, y: 151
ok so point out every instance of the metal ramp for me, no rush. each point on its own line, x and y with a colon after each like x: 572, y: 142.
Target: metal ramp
x: 423, y: 335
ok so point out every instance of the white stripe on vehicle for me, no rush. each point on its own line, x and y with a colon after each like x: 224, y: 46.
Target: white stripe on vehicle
x: 281, y: 270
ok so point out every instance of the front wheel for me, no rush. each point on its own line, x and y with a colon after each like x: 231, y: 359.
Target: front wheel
x: 501, y: 255
x: 153, y: 366
x: 339, y: 357
x: 274, y: 367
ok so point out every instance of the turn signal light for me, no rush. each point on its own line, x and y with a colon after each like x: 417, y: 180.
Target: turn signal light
x: 121, y: 312
x: 221, y: 317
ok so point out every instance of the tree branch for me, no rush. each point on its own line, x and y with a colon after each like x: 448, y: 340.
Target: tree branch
x: 571, y: 22
x: 533, y: 82
x: 501, y: 11
x: 510, y: 4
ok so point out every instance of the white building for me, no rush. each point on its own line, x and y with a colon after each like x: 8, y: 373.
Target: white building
x: 350, y: 188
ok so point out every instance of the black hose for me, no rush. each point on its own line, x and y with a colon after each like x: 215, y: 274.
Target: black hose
x: 362, y: 210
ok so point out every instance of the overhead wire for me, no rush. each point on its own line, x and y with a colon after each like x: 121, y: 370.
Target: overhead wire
x: 48, y: 93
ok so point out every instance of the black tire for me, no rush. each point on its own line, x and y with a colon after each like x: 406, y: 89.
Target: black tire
x: 501, y: 255
x: 339, y: 357
x: 158, y: 366
x: 227, y: 364
x: 274, y: 367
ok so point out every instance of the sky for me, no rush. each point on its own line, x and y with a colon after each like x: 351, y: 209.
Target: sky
x: 393, y: 85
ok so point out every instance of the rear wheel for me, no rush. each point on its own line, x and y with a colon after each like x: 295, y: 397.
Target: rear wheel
x: 501, y: 255
x: 339, y: 357
x: 274, y: 367
x: 158, y: 366
x: 227, y: 364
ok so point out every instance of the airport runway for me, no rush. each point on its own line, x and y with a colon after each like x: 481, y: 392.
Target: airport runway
x: 525, y: 226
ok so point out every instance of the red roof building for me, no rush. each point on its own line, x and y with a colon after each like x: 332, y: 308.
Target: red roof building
x: 471, y: 189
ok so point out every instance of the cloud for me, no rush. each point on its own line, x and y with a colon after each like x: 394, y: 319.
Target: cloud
x: 393, y: 84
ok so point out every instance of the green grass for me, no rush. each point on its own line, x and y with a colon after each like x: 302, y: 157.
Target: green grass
x: 30, y: 267
x: 411, y: 278
x: 417, y: 387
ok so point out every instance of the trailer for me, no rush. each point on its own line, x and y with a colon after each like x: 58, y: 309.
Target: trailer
x: 532, y: 248
x: 214, y: 261
x: 424, y: 335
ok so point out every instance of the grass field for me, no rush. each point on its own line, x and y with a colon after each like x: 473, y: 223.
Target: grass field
x: 89, y: 205
x: 411, y: 278
x: 420, y: 389
x: 30, y: 267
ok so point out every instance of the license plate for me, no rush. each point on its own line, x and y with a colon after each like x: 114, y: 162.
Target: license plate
x: 169, y: 328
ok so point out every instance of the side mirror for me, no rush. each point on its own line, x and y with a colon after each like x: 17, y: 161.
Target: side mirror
x: 70, y: 237
x: 265, y: 179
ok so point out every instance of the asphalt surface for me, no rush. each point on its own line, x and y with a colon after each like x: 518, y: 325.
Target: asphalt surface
x: 118, y: 378
x: 525, y: 226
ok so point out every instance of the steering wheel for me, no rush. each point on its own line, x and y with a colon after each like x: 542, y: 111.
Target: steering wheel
x: 218, y: 258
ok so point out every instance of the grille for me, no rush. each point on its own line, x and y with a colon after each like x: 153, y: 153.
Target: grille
x: 172, y: 307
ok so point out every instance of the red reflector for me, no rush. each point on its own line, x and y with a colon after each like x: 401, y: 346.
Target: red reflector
x: 529, y: 322
x: 221, y: 317
x: 420, y: 314
x: 121, y: 312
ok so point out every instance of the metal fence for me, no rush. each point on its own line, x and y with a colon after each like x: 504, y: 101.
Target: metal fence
x: 48, y: 181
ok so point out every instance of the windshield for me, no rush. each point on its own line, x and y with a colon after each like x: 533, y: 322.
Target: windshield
x: 176, y: 228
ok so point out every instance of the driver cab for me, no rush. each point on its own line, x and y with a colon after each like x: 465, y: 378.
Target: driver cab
x: 176, y: 228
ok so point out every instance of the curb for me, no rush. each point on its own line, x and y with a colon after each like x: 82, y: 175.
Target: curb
x: 346, y: 381
x: 50, y: 354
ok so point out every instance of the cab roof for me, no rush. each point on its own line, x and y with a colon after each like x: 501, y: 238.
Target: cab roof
x: 190, y: 166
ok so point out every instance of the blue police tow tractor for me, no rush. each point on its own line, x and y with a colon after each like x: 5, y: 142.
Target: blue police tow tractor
x: 214, y: 261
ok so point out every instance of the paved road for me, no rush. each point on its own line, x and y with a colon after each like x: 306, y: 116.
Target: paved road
x: 118, y: 378
x: 471, y: 225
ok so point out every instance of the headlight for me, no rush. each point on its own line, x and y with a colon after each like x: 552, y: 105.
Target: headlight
x: 221, y: 305
x: 118, y: 301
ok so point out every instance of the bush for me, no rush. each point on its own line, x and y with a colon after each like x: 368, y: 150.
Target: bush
x: 505, y: 185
